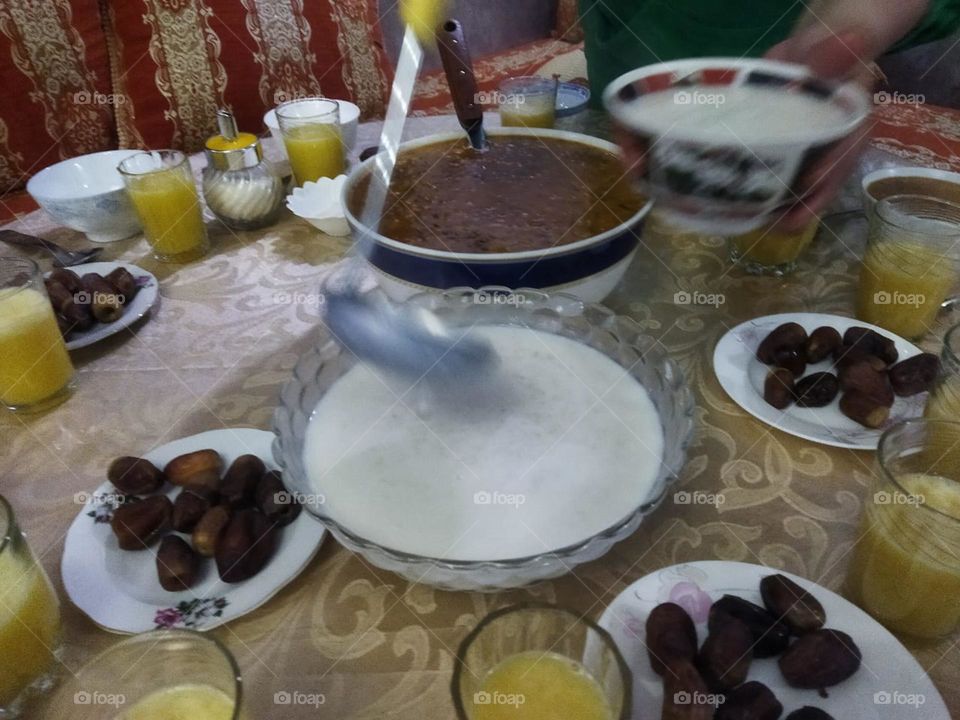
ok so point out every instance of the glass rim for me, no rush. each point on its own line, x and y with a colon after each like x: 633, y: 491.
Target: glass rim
x: 886, y: 213
x: 548, y: 85
x: 286, y: 104
x: 27, y: 264
x: 951, y: 347
x: 170, y: 151
x: 887, y: 437
x: 157, y: 635
x: 607, y: 639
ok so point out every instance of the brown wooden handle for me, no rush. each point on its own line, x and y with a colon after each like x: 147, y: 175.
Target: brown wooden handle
x: 458, y: 67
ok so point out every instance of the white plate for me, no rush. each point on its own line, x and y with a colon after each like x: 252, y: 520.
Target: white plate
x: 119, y: 589
x: 141, y: 304
x: 742, y: 376
x: 888, y: 680
x: 571, y: 99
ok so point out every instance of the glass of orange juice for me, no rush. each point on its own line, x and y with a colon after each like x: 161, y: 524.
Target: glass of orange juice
x: 911, y: 265
x: 35, y: 369
x: 313, y: 138
x: 906, y: 565
x: 164, y: 194
x: 528, y: 102
x: 156, y: 675
x: 29, y: 620
x: 771, y: 252
x: 533, y: 659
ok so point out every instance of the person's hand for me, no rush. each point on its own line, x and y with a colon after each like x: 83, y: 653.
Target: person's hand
x: 841, y: 40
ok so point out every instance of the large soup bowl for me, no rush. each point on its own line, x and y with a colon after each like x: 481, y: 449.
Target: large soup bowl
x: 617, y: 337
x: 588, y: 268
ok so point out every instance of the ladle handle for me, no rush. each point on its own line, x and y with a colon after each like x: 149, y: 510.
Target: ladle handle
x: 458, y: 67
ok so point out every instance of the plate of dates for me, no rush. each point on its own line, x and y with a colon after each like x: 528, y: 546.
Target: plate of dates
x: 719, y: 640
x: 193, y: 534
x: 825, y: 378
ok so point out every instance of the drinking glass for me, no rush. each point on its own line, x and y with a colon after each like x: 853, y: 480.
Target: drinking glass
x: 313, y: 138
x: 163, y: 192
x: 542, y: 631
x: 906, y: 564
x: 154, y: 676
x: 944, y: 400
x: 29, y: 620
x: 528, y: 102
x: 35, y: 368
x: 770, y: 252
x: 911, y: 263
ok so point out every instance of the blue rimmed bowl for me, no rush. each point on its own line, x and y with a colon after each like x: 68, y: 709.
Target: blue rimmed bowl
x: 589, y: 268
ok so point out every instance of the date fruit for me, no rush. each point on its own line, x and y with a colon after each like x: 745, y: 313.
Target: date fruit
x: 914, y: 375
x: 188, y: 508
x: 821, y: 344
x: 138, y: 524
x: 135, y: 476
x: 209, y: 529
x: 724, y: 660
x: 872, y: 342
x: 778, y: 388
x: 816, y: 390
x: 848, y: 355
x: 123, y: 282
x: 789, y: 336
x: 274, y: 501
x: 684, y: 693
x: 106, y: 303
x: 792, y: 360
x: 796, y: 607
x: 246, y: 546
x: 240, y: 483
x: 750, y: 701
x: 820, y: 659
x: 808, y: 712
x: 867, y: 411
x: 198, y: 471
x: 861, y: 377
x: 671, y: 636
x: 770, y: 636
x: 177, y: 564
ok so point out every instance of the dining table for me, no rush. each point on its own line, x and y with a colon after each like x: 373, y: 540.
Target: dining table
x: 363, y: 642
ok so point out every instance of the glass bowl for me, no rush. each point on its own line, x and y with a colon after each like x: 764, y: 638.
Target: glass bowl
x: 617, y: 337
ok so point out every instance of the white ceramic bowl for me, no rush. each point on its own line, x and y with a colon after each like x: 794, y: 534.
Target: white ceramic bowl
x: 711, y: 181
x: 86, y: 193
x: 349, y: 122
x: 906, y: 174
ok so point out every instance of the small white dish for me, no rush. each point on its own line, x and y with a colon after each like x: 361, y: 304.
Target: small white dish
x: 349, y: 123
x: 86, y: 193
x: 889, y: 675
x: 320, y: 203
x: 571, y: 99
x: 142, y: 303
x: 119, y: 590
x: 741, y: 375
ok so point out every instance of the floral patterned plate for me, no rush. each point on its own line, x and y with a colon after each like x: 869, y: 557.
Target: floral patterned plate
x: 119, y: 589
x: 742, y: 376
x: 141, y: 304
x: 889, y: 684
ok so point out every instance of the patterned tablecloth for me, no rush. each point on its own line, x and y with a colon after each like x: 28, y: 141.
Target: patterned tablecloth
x: 224, y: 338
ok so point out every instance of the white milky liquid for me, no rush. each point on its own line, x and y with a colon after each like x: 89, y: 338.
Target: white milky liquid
x: 743, y: 114
x: 568, y: 446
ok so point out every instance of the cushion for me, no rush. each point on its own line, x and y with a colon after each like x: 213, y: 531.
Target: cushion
x: 56, y: 86
x: 176, y: 61
x: 432, y: 94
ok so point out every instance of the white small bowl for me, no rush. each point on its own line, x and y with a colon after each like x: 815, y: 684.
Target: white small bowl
x: 906, y: 173
x: 349, y: 122
x: 86, y: 193
x: 320, y: 203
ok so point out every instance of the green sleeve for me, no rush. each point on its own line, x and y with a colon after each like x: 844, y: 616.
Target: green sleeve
x: 941, y: 20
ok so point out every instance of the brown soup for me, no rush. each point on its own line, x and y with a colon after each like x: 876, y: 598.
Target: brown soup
x: 931, y: 187
x: 522, y: 193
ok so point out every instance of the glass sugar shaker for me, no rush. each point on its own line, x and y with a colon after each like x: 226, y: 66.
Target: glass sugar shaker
x: 240, y: 187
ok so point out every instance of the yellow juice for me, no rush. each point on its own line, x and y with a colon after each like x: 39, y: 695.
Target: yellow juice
x: 29, y: 624
x: 34, y: 364
x: 315, y: 151
x: 167, y: 204
x: 902, y: 285
x: 769, y: 248
x: 183, y: 702
x: 530, y: 114
x: 906, y: 567
x: 540, y: 686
